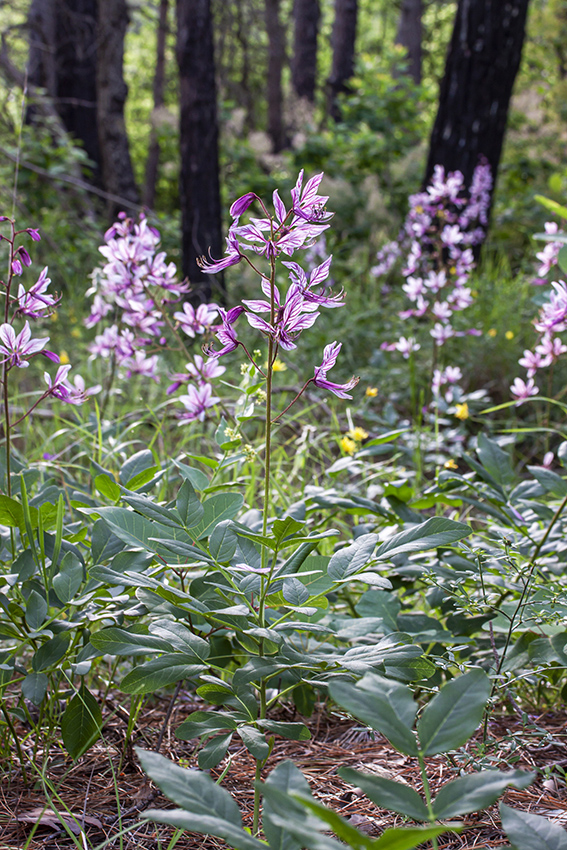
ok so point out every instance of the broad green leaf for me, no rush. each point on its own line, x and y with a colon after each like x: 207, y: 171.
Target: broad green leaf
x: 352, y: 558
x: 69, y: 578
x: 50, y: 652
x: 34, y: 687
x: 159, y: 672
x: 562, y: 259
x: 550, y: 481
x: 223, y: 541
x: 379, y: 603
x: 36, y: 610
x: 552, y: 206
x: 150, y: 510
x: 341, y: 827
x: 406, y: 838
x: 495, y: 460
x: 288, y: 779
x: 116, y: 641
x: 291, y: 731
x: 138, y: 463
x: 289, y: 814
x: 436, y: 531
x: 138, y: 531
x: 285, y: 527
x: 12, y: 513
x: 388, y: 794
x: 104, y: 544
x: 81, y: 723
x: 294, y: 591
x: 143, y: 478
x: 477, y: 791
x: 258, y: 669
x: 204, y: 722
x: 107, y: 487
x: 254, y: 741
x: 197, y: 478
x: 383, y: 704
x: 216, y: 508
x: 181, y: 639
x: 188, y: 505
x: 214, y: 751
x: 454, y: 713
x: 532, y: 832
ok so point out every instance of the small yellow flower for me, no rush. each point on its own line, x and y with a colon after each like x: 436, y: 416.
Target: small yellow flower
x: 453, y: 270
x: 64, y: 358
x: 492, y: 332
x: 509, y: 334
x: 54, y: 316
x: 76, y: 333
x: 462, y: 411
x: 348, y: 446
x: 474, y: 293
x: 371, y: 392
x: 358, y: 434
x: 277, y: 366
x: 450, y: 464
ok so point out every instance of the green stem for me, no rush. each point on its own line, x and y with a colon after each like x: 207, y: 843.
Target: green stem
x: 14, y: 734
x: 427, y: 793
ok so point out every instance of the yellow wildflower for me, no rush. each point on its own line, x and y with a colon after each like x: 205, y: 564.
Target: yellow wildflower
x: 76, y: 333
x: 450, y: 464
x: 54, y: 316
x: 371, y: 392
x: 64, y: 358
x: 509, y: 334
x: 348, y: 446
x: 358, y: 434
x: 277, y: 366
x: 492, y: 332
x: 462, y: 411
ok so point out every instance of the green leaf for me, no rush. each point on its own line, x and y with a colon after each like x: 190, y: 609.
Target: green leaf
x: 388, y: 794
x: 206, y: 807
x: 50, y: 652
x: 379, y: 603
x: 188, y: 505
x: 383, y: 704
x: 138, y: 481
x: 352, y: 558
x: 290, y: 814
x: 552, y: 206
x: 532, y: 832
x: 291, y: 731
x: 454, y: 713
x: 550, y: 481
x: 138, y: 463
x: 204, y: 722
x: 254, y: 741
x: 115, y: 641
x: 150, y: 510
x: 197, y: 478
x: 69, y: 578
x: 36, y: 610
x: 223, y: 541
x: 34, y: 687
x: 81, y: 723
x: 12, y: 513
x: 285, y: 527
x: 436, y: 531
x: 495, y: 460
x: 214, y: 751
x: 158, y: 673
x: 287, y: 779
x: 140, y: 532
x: 476, y: 791
x: 181, y: 639
x: 104, y: 544
x: 294, y: 591
x: 216, y: 508
x: 107, y: 487
x: 340, y: 826
x: 406, y: 838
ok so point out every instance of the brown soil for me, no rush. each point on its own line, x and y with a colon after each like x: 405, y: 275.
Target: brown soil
x: 107, y: 791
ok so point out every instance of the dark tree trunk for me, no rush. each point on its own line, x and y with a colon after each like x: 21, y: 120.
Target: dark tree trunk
x: 117, y: 171
x: 482, y: 62
x: 306, y: 29
x: 152, y: 162
x: 276, y: 56
x: 409, y: 35
x: 199, y: 179
x: 63, y: 61
x: 343, y: 43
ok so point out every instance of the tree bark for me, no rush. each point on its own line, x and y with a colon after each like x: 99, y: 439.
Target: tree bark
x: 117, y: 171
x: 304, y: 66
x: 409, y: 35
x: 276, y: 56
x: 199, y: 179
x: 482, y: 62
x: 152, y: 162
x: 343, y: 43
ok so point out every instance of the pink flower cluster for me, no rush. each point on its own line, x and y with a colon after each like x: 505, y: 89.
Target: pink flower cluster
x: 550, y: 323
x: 17, y: 348
x: 437, y: 241
x: 281, y: 316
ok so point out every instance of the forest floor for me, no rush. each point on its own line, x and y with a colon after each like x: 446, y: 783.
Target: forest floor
x: 107, y: 791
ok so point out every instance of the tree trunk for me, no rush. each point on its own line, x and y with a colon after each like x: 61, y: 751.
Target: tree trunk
x: 409, y: 35
x: 199, y: 179
x: 117, y: 171
x: 304, y: 66
x: 42, y: 49
x: 343, y: 43
x: 482, y: 62
x: 152, y: 162
x: 276, y: 56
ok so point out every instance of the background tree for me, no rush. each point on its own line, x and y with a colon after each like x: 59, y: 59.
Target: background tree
x: 482, y: 62
x: 199, y: 179
x: 306, y: 17
x: 409, y: 35
x: 152, y: 162
x: 343, y: 44
x: 276, y: 58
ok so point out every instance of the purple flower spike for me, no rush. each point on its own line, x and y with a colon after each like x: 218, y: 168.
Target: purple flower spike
x: 18, y: 348
x: 226, y: 333
x: 330, y: 355
x: 25, y: 257
x: 34, y: 234
x: 242, y: 204
x: 233, y: 256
